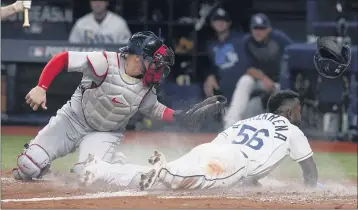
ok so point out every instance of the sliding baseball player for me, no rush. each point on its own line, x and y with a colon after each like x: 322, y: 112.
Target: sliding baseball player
x: 113, y: 88
x: 16, y: 7
x: 243, y: 153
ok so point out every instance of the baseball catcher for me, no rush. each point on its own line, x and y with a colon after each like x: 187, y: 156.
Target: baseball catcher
x: 331, y: 59
x: 113, y: 88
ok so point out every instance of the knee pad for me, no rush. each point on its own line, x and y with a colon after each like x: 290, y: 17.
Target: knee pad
x: 34, y: 162
x: 18, y: 175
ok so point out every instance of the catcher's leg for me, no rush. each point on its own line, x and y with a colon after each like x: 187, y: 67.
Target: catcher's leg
x: 55, y: 140
x: 99, y: 160
x: 204, y: 167
x: 101, y: 144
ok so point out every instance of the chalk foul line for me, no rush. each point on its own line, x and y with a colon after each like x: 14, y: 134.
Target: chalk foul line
x: 79, y: 197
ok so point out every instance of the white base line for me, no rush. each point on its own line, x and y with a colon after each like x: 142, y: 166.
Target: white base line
x: 198, y: 197
x: 79, y: 197
x: 105, y: 195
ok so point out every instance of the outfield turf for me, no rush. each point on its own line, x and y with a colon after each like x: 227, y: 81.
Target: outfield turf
x: 330, y: 165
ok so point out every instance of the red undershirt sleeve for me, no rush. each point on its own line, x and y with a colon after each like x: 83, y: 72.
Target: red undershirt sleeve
x: 52, y: 69
x: 168, y: 115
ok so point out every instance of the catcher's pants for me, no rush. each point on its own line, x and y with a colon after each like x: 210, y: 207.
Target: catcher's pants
x: 241, y: 107
x: 65, y: 133
x: 206, y: 166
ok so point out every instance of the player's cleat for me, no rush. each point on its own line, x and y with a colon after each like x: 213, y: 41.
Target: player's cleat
x: 148, y: 179
x: 90, y: 171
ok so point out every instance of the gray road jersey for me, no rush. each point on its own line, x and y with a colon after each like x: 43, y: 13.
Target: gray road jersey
x: 108, y: 97
x: 109, y: 106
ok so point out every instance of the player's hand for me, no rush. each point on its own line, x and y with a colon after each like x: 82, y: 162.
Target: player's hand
x: 21, y: 5
x: 210, y: 85
x: 36, y: 98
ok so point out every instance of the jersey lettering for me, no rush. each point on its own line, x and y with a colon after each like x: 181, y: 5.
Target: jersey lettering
x: 279, y: 124
x: 253, y: 137
x: 254, y: 141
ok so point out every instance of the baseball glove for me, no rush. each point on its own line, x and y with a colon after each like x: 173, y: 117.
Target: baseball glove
x: 331, y: 58
x: 195, y: 116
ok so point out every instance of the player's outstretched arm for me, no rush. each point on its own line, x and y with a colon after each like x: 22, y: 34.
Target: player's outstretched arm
x: 37, y: 96
x: 301, y: 152
x: 189, y: 118
x: 310, y: 173
x: 91, y: 63
x: 16, y: 7
x: 200, y: 112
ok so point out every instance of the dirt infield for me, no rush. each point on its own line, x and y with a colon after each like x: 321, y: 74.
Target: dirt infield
x: 61, y: 191
x: 57, y: 194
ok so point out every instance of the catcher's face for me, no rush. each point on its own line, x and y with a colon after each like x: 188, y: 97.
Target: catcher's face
x: 134, y: 66
x: 158, y: 67
x: 155, y: 72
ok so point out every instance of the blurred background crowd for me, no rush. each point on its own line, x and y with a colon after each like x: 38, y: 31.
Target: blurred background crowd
x: 244, y: 50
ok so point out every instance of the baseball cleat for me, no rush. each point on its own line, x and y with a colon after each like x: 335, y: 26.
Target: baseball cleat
x: 148, y: 179
x: 89, y: 174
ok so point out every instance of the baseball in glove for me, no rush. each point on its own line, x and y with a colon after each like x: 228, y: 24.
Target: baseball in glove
x: 331, y: 59
x: 195, y: 116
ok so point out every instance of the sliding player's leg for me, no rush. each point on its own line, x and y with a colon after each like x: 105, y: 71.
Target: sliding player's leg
x: 120, y: 174
x: 204, y: 167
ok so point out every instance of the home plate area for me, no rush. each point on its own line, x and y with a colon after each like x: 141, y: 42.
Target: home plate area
x: 273, y: 194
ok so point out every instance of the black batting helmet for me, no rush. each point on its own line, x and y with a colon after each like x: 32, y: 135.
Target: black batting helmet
x: 331, y: 59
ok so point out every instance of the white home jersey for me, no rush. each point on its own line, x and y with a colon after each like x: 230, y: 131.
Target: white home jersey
x: 112, y: 30
x: 266, y: 140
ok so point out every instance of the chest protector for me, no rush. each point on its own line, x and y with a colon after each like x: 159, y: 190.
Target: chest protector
x: 109, y: 105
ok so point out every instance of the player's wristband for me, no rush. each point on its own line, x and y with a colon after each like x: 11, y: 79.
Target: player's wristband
x: 168, y: 115
x: 43, y: 87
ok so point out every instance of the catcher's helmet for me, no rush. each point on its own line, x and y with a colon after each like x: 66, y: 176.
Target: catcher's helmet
x: 152, y: 49
x: 331, y: 58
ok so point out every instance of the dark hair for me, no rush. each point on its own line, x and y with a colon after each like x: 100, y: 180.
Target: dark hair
x: 278, y: 99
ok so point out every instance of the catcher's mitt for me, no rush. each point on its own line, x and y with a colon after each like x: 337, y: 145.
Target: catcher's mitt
x: 331, y: 58
x: 194, y: 117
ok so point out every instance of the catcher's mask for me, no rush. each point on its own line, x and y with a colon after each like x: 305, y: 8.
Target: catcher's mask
x: 151, y: 49
x: 331, y: 59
